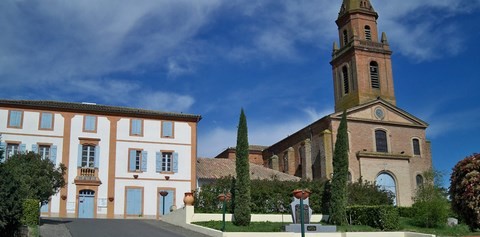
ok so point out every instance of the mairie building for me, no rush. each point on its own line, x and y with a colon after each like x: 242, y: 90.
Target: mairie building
x: 387, y: 145
x: 119, y: 160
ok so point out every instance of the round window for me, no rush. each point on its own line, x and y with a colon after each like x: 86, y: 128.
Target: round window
x: 379, y: 113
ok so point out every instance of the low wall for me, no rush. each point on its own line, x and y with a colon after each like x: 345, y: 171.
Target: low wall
x: 185, y: 216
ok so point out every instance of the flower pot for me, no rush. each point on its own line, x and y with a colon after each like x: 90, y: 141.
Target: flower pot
x: 188, y: 199
x: 303, y: 194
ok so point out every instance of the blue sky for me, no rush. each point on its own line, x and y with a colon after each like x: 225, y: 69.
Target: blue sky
x: 212, y: 57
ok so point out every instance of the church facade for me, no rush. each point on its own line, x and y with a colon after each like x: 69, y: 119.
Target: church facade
x: 386, y: 144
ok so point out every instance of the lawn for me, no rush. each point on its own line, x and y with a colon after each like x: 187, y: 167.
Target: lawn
x: 406, y: 224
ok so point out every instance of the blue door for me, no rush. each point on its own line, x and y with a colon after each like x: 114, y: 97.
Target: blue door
x: 134, y: 201
x: 168, y: 202
x: 86, y: 204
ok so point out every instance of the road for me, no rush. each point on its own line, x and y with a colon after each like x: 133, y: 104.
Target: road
x: 111, y: 227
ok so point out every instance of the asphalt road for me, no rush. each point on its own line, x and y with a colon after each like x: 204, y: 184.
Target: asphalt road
x: 117, y: 228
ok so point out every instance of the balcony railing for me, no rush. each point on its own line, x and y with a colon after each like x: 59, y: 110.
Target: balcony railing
x: 86, y: 174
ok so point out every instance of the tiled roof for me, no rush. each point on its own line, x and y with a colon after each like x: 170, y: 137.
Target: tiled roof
x: 208, y: 168
x: 252, y: 147
x: 94, y: 108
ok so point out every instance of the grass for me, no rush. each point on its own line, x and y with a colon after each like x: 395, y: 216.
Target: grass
x: 406, y: 224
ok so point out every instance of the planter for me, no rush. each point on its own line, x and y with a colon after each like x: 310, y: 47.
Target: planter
x: 222, y: 197
x: 298, y: 193
x: 188, y: 199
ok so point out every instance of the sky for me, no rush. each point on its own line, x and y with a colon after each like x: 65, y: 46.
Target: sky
x: 214, y: 57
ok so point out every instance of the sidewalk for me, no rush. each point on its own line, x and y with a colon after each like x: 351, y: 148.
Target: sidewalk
x: 53, y: 227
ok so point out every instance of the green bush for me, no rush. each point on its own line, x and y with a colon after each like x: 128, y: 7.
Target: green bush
x: 381, y: 217
x: 408, y: 212
x: 431, y: 214
x: 268, y: 196
x: 31, y: 212
x: 368, y: 193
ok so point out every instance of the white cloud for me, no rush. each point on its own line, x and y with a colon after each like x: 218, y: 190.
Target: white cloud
x: 213, y: 142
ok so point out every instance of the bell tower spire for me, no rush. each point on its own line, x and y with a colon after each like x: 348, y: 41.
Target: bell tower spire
x: 362, y: 67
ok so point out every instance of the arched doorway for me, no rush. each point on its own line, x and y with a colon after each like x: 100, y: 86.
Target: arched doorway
x: 386, y: 182
x: 86, y: 205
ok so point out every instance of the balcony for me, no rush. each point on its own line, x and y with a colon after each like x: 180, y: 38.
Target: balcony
x: 87, y: 176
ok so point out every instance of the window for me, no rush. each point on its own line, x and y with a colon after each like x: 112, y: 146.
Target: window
x: 167, y: 129
x: 12, y: 149
x: 44, y: 151
x: 345, y: 37
x: 346, y: 87
x: 88, y: 156
x: 137, y: 161
x: 368, y: 33
x: 167, y: 161
x: 15, y: 118
x: 419, y: 180
x: 136, y: 127
x: 416, y: 146
x: 374, y: 75
x: 90, y: 123
x: 46, y: 121
x: 381, y: 141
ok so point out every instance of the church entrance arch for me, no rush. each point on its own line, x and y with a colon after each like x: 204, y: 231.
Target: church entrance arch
x: 385, y: 181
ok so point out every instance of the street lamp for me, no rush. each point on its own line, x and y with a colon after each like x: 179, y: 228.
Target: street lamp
x: 302, y: 194
x: 224, y: 198
x: 163, y: 193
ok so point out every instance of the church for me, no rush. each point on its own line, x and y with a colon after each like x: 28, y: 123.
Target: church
x: 387, y: 144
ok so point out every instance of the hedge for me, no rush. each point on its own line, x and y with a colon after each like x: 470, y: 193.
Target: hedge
x: 31, y: 212
x: 381, y: 217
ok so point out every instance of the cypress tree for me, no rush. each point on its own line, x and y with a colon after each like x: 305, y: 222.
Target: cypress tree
x: 242, y: 211
x: 338, y: 202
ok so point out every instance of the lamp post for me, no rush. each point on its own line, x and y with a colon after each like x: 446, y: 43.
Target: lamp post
x: 163, y: 193
x: 224, y: 198
x: 302, y: 194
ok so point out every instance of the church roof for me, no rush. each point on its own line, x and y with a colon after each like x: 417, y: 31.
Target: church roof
x: 357, y: 5
x: 208, y: 168
x: 95, y: 109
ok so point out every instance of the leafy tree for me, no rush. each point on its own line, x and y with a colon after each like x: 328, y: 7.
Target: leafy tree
x: 242, y: 211
x: 10, y: 202
x: 465, y: 190
x: 39, y: 178
x: 431, y: 207
x: 367, y: 193
x: 338, y: 201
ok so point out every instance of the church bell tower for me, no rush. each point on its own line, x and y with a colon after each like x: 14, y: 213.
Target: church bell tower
x: 362, y: 67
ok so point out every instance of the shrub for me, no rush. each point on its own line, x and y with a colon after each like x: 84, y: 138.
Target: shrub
x: 431, y: 214
x: 31, y: 212
x: 465, y: 190
x: 10, y: 206
x: 367, y: 193
x: 408, y: 212
x: 268, y: 196
x: 382, y: 217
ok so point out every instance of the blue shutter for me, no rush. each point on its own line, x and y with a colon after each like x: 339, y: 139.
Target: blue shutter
x: 90, y: 123
x: 53, y: 154
x: 134, y: 201
x: 144, y: 161
x: 3, y: 147
x: 167, y: 129
x: 175, y: 162
x: 158, y: 161
x: 35, y: 148
x: 79, y: 158
x: 136, y: 127
x: 97, y: 156
x: 23, y: 148
x: 131, y: 165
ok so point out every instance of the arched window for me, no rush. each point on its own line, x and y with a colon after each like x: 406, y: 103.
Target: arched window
x: 386, y: 182
x: 368, y: 33
x: 381, y: 140
x: 345, y: 37
x: 346, y: 87
x: 374, y: 75
x: 416, y: 146
x: 419, y: 180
